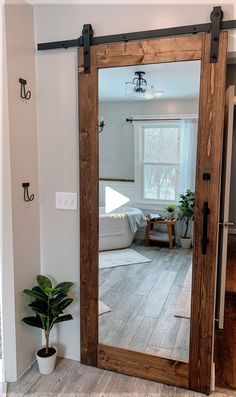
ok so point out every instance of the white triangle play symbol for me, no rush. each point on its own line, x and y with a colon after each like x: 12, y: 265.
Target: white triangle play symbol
x: 113, y: 199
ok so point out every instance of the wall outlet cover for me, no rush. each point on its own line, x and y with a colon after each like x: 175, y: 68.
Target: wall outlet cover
x: 66, y: 201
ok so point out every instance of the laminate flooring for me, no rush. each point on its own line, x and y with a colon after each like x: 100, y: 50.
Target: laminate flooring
x: 72, y: 379
x: 142, y: 298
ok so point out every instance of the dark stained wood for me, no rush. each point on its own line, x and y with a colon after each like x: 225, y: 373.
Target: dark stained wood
x: 225, y: 346
x: 150, y: 51
x: 88, y: 152
x: 170, y: 228
x: 231, y: 265
x: 225, y: 339
x: 143, y: 365
x: 116, y: 180
x: 210, y: 139
x: 209, y: 160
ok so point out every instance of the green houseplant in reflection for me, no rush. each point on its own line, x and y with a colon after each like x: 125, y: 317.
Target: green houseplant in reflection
x: 170, y: 211
x: 48, y: 305
x: 186, y: 213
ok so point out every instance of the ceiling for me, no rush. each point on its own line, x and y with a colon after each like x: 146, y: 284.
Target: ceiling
x: 176, y: 79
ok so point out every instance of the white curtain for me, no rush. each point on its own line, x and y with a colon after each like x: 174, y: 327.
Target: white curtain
x: 188, y: 155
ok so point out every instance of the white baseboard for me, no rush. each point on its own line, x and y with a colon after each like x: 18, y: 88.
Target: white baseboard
x: 3, y: 384
x: 213, y: 385
x: 27, y: 369
x: 2, y: 372
x: 3, y: 389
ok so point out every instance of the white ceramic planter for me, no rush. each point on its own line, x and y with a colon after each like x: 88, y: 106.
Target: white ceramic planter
x: 46, y: 364
x: 185, y: 242
x: 170, y: 215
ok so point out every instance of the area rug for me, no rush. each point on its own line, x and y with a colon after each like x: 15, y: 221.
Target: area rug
x: 123, y: 257
x: 103, y: 308
x: 183, y: 307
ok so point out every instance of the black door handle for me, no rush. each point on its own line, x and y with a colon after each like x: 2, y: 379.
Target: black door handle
x: 205, y: 240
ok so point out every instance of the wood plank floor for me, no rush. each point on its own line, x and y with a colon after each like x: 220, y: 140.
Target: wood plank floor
x: 73, y: 379
x: 142, y: 299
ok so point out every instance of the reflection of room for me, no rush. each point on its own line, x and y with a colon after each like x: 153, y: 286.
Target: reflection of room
x: 147, y: 157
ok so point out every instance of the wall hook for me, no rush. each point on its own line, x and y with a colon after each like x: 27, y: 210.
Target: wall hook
x: 23, y: 93
x: 101, y: 126
x: 27, y: 197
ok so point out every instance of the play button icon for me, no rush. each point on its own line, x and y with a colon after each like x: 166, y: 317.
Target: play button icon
x: 113, y: 199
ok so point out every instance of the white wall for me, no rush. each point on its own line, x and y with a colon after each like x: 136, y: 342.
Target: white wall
x: 59, y: 22
x: 57, y: 118
x: 231, y: 80
x: 7, y: 265
x: 116, y: 141
x: 58, y: 171
x: 21, y: 253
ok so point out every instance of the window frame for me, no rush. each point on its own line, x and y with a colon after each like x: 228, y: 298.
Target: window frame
x: 139, y: 156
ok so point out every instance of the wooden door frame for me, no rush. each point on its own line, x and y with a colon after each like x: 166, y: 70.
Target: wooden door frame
x: 196, y: 374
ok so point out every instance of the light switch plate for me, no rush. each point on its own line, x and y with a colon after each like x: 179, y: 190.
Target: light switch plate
x: 66, y: 201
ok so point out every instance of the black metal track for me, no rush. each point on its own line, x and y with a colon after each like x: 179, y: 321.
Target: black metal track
x: 149, y: 34
x: 59, y: 44
x: 131, y: 119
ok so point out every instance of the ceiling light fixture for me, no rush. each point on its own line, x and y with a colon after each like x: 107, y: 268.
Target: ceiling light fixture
x: 138, y: 88
x: 139, y: 82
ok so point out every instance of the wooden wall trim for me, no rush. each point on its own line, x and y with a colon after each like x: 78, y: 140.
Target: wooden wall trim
x: 210, y: 143
x: 183, y: 48
x: 89, y: 218
x: 143, y: 365
x: 115, y: 180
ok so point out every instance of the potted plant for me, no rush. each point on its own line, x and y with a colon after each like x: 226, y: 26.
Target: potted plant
x: 170, y: 211
x: 48, y: 306
x: 186, y: 213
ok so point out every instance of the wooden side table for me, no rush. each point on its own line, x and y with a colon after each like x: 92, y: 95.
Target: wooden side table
x: 170, y: 223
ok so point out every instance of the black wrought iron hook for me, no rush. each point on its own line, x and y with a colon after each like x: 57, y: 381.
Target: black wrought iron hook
x: 27, y: 197
x: 101, y: 126
x: 23, y: 93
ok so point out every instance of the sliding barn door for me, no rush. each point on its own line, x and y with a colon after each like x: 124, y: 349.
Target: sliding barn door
x: 197, y: 373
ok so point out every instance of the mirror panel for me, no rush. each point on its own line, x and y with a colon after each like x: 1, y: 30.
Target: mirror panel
x: 148, y: 123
